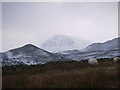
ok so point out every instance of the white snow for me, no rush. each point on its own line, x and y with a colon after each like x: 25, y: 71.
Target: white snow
x: 62, y: 43
x: 9, y: 54
x: 109, y: 50
x: 111, y: 44
x: 42, y: 53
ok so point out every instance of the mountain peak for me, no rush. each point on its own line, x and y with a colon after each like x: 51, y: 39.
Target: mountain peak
x: 62, y: 43
x: 30, y: 46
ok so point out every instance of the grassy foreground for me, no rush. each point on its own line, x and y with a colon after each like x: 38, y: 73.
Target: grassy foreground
x: 63, y: 75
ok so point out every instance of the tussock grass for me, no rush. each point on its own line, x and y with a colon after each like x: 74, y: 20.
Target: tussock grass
x: 63, y: 75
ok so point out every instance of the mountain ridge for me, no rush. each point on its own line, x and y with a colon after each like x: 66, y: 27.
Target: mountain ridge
x: 28, y: 54
x: 108, y: 49
x: 114, y: 43
x: 31, y: 55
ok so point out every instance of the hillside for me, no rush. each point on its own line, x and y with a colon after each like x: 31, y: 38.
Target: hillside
x: 28, y: 55
x: 110, y: 44
x: 31, y: 55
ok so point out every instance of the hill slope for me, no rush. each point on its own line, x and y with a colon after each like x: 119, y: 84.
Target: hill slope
x: 28, y: 54
x: 108, y: 49
x: 111, y: 44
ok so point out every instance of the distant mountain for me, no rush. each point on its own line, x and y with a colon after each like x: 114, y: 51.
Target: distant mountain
x: 32, y: 55
x: 29, y: 55
x: 69, y: 52
x: 85, y: 55
x: 62, y: 43
x: 108, y: 49
x: 111, y: 44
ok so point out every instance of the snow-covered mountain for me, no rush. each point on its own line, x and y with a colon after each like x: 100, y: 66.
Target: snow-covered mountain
x: 69, y: 52
x: 62, y: 43
x: 108, y: 49
x: 111, y: 44
x: 29, y: 55
x: 85, y: 55
x: 32, y: 55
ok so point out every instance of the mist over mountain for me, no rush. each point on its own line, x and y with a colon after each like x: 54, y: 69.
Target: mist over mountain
x: 62, y: 43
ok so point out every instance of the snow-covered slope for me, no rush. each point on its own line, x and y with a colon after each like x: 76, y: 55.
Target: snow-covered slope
x: 62, y: 43
x: 28, y: 54
x: 91, y: 54
x: 69, y: 52
x: 108, y: 49
x: 32, y: 55
x: 111, y: 44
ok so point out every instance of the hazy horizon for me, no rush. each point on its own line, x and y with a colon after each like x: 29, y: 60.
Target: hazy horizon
x: 35, y: 22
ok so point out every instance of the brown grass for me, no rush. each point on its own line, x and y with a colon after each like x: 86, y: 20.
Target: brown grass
x: 68, y: 75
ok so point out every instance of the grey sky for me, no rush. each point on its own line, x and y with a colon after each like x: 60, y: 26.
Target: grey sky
x: 34, y: 23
